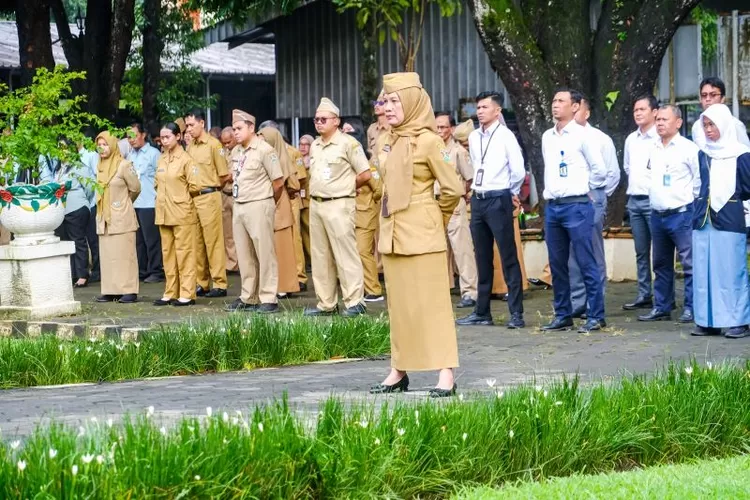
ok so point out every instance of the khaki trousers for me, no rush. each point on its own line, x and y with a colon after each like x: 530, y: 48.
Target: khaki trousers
x: 210, y: 255
x: 304, y: 220
x: 252, y: 224
x: 227, y: 203
x: 334, y: 253
x: 299, y: 252
x: 365, y: 242
x: 459, y: 237
x: 178, y: 253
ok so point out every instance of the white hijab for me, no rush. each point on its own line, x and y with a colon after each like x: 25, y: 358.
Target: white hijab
x: 723, y: 153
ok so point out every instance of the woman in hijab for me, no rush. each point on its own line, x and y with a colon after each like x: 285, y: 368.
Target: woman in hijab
x: 116, y: 223
x: 284, y: 218
x: 720, y: 282
x: 411, y: 157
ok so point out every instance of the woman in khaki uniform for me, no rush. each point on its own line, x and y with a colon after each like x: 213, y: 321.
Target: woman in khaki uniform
x: 304, y: 193
x: 412, y: 241
x: 365, y: 227
x: 284, y: 219
x: 116, y: 223
x: 176, y: 218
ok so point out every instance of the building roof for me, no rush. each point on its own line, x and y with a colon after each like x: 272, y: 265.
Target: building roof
x: 215, y: 59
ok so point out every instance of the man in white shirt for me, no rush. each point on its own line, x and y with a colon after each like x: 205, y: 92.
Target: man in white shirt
x: 599, y: 195
x: 675, y: 182
x: 572, y: 165
x: 498, y: 175
x: 638, y: 147
x: 713, y: 91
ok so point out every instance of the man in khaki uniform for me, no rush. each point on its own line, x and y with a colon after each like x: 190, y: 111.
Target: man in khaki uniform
x: 379, y: 127
x: 304, y: 193
x: 208, y: 155
x: 258, y: 185
x: 227, y: 140
x: 459, y: 234
x: 338, y: 167
x: 368, y: 208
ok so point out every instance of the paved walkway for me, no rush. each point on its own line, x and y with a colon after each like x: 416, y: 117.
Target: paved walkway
x: 509, y: 356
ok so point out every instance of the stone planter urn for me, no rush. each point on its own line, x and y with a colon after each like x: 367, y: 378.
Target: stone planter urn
x: 35, y: 279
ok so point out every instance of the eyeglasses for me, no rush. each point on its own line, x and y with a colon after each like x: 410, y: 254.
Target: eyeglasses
x: 440, y: 127
x: 712, y: 95
x: 378, y: 103
x: 321, y: 119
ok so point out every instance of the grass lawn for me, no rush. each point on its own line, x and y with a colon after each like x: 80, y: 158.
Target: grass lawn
x: 727, y: 478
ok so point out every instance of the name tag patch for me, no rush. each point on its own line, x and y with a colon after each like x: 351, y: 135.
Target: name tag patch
x: 667, y: 180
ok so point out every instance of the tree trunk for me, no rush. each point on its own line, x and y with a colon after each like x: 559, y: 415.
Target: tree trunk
x: 369, y: 74
x: 535, y: 45
x: 152, y: 48
x: 96, y: 53
x: 34, y: 40
x: 123, y: 22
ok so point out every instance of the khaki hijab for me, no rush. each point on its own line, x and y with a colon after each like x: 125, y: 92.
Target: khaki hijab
x: 274, y: 138
x: 105, y: 173
x: 419, y: 118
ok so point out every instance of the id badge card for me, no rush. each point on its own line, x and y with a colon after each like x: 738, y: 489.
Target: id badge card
x: 479, y: 177
x: 302, y: 193
x: 235, y: 190
x: 667, y: 180
x: 327, y: 173
x: 563, y: 169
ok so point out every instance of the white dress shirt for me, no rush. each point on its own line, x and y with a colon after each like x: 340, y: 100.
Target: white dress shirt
x: 496, y: 153
x: 583, y: 161
x: 699, y: 135
x: 675, y: 176
x: 638, y: 147
x: 609, y: 155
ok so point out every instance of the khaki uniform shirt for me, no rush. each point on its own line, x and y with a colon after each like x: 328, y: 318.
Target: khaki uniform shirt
x: 368, y: 200
x: 175, y: 185
x: 292, y: 182
x: 334, y: 166
x: 461, y: 159
x: 124, y: 188
x: 420, y: 229
x: 254, y: 169
x: 373, y: 132
x: 208, y: 154
x: 304, y: 182
x: 227, y: 189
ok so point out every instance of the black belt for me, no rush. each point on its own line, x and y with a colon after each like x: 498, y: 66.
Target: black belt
x: 321, y: 200
x: 671, y: 211
x: 639, y: 197
x: 207, y: 191
x: 569, y: 199
x: 495, y: 193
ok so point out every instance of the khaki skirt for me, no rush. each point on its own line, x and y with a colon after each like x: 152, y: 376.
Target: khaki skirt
x: 284, y: 245
x: 423, y: 331
x: 119, y: 264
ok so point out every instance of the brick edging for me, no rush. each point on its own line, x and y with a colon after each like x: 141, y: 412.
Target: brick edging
x: 67, y: 331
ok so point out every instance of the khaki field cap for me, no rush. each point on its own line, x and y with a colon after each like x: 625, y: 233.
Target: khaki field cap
x: 180, y: 123
x: 240, y: 116
x: 463, y: 130
x: 326, y: 105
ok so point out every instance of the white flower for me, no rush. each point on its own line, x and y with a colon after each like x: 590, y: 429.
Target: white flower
x: 416, y: 414
x: 225, y: 417
x: 81, y: 431
x: 93, y: 420
x: 401, y: 432
x: 464, y: 436
x: 197, y: 477
x: 74, y: 470
x: 21, y: 465
x: 239, y: 413
x: 99, y: 354
x: 235, y: 421
x: 89, y: 348
x: 60, y: 347
x: 538, y: 388
x: 377, y: 441
x: 163, y: 431
x: 87, y: 459
x: 689, y: 370
x: 558, y: 403
x: 150, y: 411
x: 511, y: 434
x: 99, y: 459
x: 709, y: 365
x: 260, y: 426
x: 52, y: 453
x: 110, y: 423
x: 14, y: 445
x: 544, y: 394
x: 364, y: 424
x: 77, y: 350
x: 500, y: 395
x: 226, y: 441
x: 137, y: 344
x: 209, y: 411
x: 491, y: 382
x: 461, y: 397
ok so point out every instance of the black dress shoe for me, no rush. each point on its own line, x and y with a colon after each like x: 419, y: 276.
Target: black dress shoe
x: 538, y: 282
x: 268, y: 308
x: 442, y: 393
x: 738, y: 332
x: 466, y: 302
x: 200, y: 291
x: 106, y: 298
x: 314, y: 311
x: 356, y: 310
x: 302, y: 287
x: 129, y: 298
x: 558, y: 324
x: 183, y: 303
x: 639, y: 303
x: 162, y: 302
x: 216, y: 292
x: 591, y: 325
x: 238, y: 305
x: 474, y: 319
x: 400, y: 386
x: 705, y: 331
x: 516, y: 321
x: 687, y: 316
x: 579, y: 313
x: 154, y: 278
x: 656, y: 315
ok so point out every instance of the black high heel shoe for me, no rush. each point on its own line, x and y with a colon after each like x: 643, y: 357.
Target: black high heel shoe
x: 442, y: 393
x: 400, y: 386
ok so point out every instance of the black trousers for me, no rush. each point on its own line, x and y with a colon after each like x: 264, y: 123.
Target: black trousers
x: 74, y: 229
x: 148, y: 244
x: 492, y: 221
x: 93, y: 240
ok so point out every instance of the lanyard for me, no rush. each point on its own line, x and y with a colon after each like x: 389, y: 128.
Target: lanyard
x: 481, y: 141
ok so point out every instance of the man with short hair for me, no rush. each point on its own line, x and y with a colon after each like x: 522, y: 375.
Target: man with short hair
x: 380, y: 126
x: 211, y: 175
x: 638, y: 146
x: 573, y: 164
x: 458, y: 230
x: 148, y: 240
x: 338, y: 166
x: 675, y: 182
x: 227, y: 202
x: 497, y: 178
x: 713, y: 91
